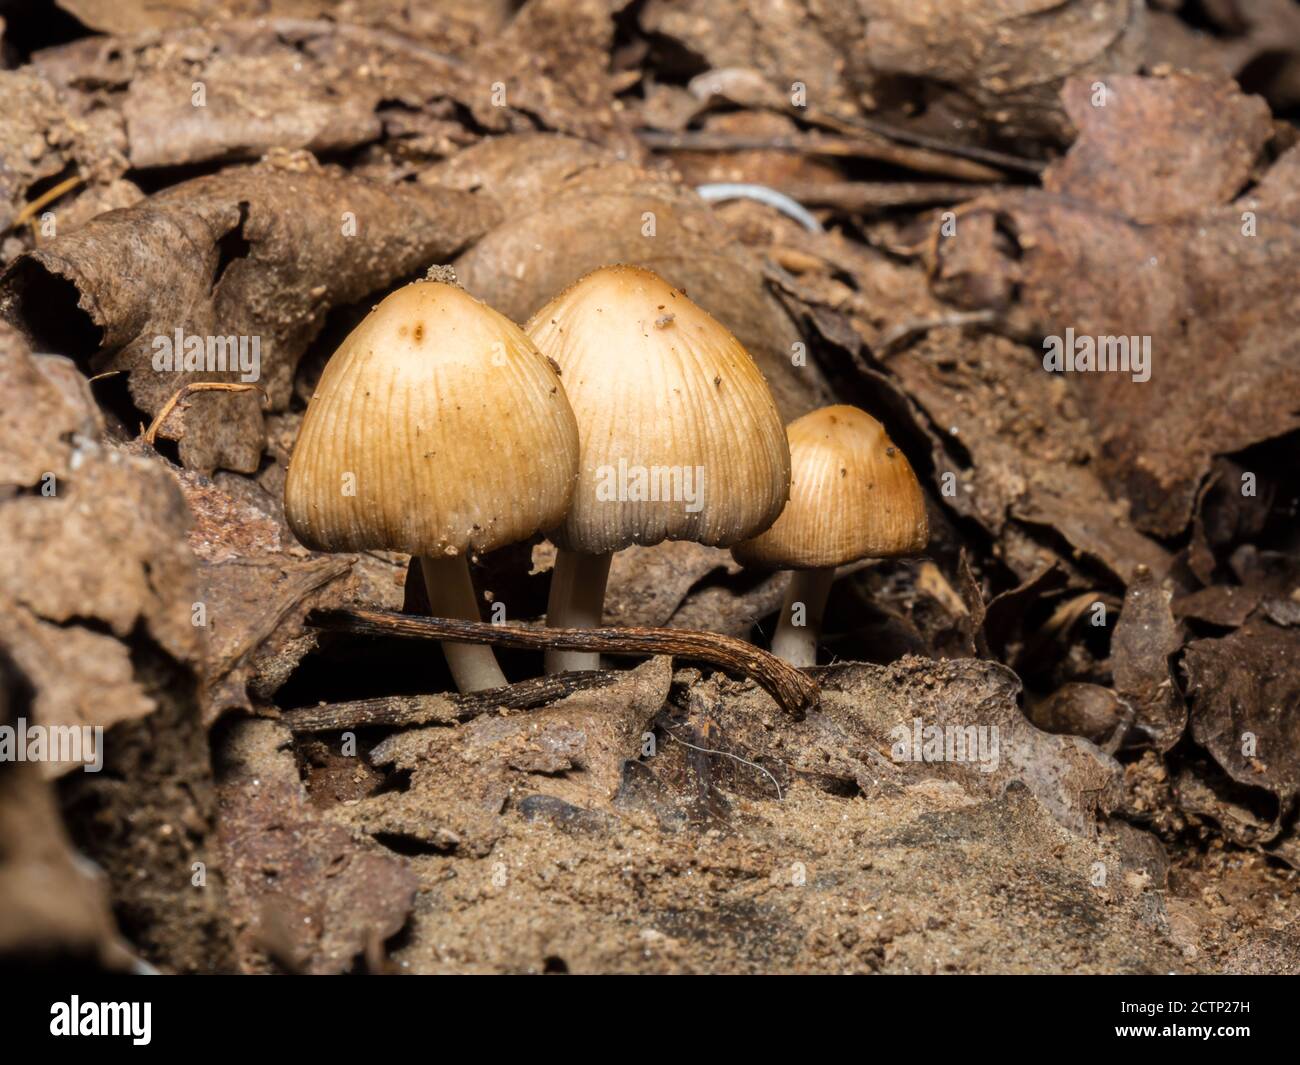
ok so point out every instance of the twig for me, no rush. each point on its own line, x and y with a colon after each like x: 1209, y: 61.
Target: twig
x: 151, y: 434
x: 912, y: 327
x: 444, y: 709
x: 921, y: 159
x: 796, y: 692
x: 862, y: 196
x: 1001, y: 160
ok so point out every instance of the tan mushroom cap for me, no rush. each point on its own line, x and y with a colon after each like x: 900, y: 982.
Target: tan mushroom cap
x: 852, y: 495
x: 452, y: 430
x: 661, y: 391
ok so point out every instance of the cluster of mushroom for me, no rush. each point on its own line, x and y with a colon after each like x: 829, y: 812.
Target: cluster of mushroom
x: 440, y: 428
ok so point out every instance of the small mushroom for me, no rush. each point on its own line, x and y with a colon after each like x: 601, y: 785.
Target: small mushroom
x: 680, y: 437
x: 853, y: 495
x: 437, y: 429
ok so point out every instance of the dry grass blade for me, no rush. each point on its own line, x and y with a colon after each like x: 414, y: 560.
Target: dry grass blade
x: 151, y: 434
x: 49, y: 196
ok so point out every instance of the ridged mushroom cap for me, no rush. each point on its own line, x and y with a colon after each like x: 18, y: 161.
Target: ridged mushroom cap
x: 852, y: 495
x: 668, y: 403
x: 450, y: 428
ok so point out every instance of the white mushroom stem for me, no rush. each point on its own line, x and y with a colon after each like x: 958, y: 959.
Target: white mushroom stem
x: 800, y: 629
x: 577, y: 601
x: 451, y: 595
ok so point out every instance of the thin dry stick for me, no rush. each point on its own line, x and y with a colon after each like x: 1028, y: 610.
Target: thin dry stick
x: 920, y: 159
x: 795, y: 691
x: 48, y: 196
x: 915, y: 326
x: 864, y: 196
x: 151, y: 434
x: 1002, y: 160
x: 444, y: 709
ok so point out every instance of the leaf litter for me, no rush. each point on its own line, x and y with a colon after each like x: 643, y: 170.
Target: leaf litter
x: 1110, y: 591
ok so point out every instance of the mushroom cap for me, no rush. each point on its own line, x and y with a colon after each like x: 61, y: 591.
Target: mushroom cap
x: 669, y: 404
x: 448, y: 426
x: 852, y: 495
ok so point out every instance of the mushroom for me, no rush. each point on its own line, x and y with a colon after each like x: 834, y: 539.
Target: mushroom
x: 437, y: 429
x: 680, y: 437
x: 853, y: 495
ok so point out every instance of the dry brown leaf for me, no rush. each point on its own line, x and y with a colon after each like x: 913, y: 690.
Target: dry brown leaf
x: 1213, y: 292
x: 1244, y: 691
x: 95, y: 557
x: 252, y: 255
x: 1145, y: 638
x: 55, y: 905
x: 1028, y: 454
x: 1159, y: 148
x: 613, y: 213
x: 220, y: 90
x: 787, y: 43
x: 1005, y: 60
